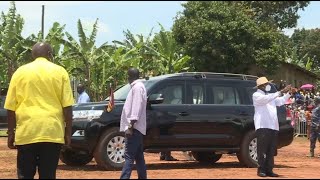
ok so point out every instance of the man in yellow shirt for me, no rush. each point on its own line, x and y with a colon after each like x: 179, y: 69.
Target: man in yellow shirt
x: 39, y: 104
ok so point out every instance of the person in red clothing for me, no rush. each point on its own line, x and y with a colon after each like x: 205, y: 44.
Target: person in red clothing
x: 308, y: 114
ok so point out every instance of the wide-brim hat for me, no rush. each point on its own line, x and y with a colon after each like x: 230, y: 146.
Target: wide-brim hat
x: 262, y: 80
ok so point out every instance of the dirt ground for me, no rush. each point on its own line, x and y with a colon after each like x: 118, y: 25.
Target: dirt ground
x: 291, y: 162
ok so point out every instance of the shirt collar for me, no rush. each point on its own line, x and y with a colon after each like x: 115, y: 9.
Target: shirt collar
x: 83, y: 92
x: 41, y: 59
x: 259, y: 90
x: 135, y: 82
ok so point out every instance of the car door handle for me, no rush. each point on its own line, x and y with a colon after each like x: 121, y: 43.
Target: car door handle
x: 243, y: 114
x: 183, y: 114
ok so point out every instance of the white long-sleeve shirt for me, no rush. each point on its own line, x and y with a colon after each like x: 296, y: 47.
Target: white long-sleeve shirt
x: 135, y: 108
x: 83, y: 98
x: 265, y: 107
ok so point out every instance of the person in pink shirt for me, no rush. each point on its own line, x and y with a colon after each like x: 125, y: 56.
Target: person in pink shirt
x: 133, y: 123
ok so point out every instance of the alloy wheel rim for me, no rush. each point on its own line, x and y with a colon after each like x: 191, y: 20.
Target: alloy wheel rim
x: 253, y: 149
x: 116, y: 149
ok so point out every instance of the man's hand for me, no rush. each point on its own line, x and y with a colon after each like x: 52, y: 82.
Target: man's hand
x: 11, y: 141
x: 129, y: 132
x: 67, y: 140
x: 286, y: 89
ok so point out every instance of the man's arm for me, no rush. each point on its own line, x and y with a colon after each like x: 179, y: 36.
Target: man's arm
x: 282, y: 100
x: 262, y: 99
x: 11, y: 121
x: 67, y: 112
x: 11, y: 129
x: 136, y: 105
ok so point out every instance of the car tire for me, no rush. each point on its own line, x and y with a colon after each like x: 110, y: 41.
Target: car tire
x: 109, y: 153
x: 75, y: 158
x: 206, y: 157
x: 247, y: 155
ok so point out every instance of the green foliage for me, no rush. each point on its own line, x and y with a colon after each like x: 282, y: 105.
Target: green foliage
x: 167, y: 51
x: 222, y: 37
x: 277, y: 14
x: 3, y: 133
x: 307, y: 44
x: 15, y: 50
x: 207, y: 36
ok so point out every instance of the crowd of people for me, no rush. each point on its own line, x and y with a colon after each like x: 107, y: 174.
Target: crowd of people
x: 304, y: 106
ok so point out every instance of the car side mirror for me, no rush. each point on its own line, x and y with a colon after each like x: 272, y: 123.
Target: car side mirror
x: 156, y: 99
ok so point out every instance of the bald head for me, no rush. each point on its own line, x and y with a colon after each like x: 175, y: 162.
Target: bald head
x: 42, y: 49
x: 80, y: 88
x: 133, y: 74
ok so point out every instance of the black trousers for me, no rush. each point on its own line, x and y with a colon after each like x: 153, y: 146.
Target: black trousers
x: 267, y: 140
x: 45, y: 156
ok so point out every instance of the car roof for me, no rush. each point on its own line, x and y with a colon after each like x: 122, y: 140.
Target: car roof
x: 205, y: 75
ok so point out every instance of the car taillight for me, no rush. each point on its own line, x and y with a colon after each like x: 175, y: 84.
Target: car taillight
x: 289, y: 115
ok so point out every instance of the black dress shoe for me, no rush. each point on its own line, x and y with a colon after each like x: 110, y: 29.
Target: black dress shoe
x: 272, y: 174
x: 261, y: 174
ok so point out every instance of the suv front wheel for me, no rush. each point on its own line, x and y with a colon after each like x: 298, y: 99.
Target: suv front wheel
x: 206, y: 157
x: 248, y: 155
x: 109, y: 153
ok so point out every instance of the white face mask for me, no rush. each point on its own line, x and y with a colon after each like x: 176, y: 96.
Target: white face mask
x: 268, y: 88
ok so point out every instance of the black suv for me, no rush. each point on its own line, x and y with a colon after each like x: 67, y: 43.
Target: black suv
x: 3, y: 114
x: 209, y: 114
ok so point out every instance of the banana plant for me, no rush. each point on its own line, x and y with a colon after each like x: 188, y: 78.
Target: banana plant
x: 141, y: 57
x: 14, y: 50
x: 167, y: 51
x: 85, y: 56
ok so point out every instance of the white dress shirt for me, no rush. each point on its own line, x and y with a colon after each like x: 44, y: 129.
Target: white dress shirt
x: 83, y: 98
x: 265, y: 107
x: 135, y: 108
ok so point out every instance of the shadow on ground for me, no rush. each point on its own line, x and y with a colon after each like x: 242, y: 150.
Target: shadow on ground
x: 167, y: 165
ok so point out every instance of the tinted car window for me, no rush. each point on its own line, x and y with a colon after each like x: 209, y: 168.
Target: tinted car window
x: 122, y: 93
x: 173, y: 94
x: 197, y: 94
x: 224, y: 95
x: 2, y: 100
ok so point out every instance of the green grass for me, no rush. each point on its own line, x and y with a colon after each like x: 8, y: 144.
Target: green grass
x: 3, y: 133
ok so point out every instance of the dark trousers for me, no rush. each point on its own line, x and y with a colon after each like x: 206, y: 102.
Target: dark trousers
x: 134, y: 152
x: 314, y: 135
x: 45, y: 156
x: 266, y: 148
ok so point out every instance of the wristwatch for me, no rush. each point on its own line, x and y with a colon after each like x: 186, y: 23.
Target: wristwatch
x: 130, y: 126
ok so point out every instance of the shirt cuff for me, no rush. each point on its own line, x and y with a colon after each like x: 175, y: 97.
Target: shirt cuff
x: 287, y: 95
x: 134, y: 118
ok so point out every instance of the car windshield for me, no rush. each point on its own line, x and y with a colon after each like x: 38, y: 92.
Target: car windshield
x: 122, y: 93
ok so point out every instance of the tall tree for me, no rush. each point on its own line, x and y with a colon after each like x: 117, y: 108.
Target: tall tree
x: 139, y: 48
x: 222, y: 37
x: 85, y: 55
x: 278, y: 14
x: 168, y: 53
x: 308, y: 43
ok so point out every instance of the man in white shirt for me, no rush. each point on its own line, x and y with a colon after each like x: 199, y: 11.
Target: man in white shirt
x: 133, y: 123
x: 83, y: 96
x: 266, y: 124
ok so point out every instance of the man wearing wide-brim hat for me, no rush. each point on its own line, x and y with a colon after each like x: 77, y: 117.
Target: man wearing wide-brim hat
x: 266, y: 123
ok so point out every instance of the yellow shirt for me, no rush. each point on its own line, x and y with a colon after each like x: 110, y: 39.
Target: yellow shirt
x: 37, y: 93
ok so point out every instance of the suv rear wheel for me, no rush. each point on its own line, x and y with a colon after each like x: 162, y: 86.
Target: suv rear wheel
x: 109, y: 153
x: 206, y: 157
x: 248, y: 155
x: 75, y: 158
